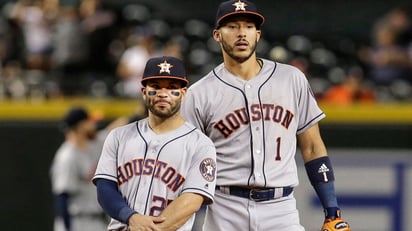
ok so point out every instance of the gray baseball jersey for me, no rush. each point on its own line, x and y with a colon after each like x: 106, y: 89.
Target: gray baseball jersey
x: 254, y: 123
x: 152, y: 170
x: 71, y: 171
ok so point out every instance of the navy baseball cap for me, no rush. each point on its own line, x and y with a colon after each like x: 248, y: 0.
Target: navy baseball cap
x: 165, y: 67
x: 77, y: 114
x: 232, y: 8
x: 74, y: 116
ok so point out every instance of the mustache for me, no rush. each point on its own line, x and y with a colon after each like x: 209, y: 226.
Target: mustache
x: 241, y: 41
x: 161, y: 101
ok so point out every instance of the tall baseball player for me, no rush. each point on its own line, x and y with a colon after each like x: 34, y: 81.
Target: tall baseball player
x: 256, y: 111
x: 72, y: 169
x: 156, y: 173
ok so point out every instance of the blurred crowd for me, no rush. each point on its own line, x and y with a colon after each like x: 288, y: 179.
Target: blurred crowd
x: 67, y: 48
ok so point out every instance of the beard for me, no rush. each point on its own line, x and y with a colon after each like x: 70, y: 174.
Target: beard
x: 161, y: 111
x: 91, y: 135
x: 230, y: 50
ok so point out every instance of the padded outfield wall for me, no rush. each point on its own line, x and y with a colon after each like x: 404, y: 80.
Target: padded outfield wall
x: 370, y: 146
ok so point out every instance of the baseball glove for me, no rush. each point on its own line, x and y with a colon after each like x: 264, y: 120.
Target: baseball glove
x: 337, y: 224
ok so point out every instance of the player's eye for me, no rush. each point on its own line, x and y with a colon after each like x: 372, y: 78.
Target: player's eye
x: 173, y: 87
x: 232, y: 26
x: 154, y: 86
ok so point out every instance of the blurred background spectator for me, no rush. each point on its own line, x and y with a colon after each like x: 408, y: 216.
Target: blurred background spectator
x: 388, y: 58
x: 95, y: 48
x: 70, y: 52
x: 351, y: 90
x: 99, y: 25
x: 140, y: 47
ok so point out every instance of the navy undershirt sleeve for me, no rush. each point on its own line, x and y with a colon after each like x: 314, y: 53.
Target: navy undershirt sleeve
x: 62, y: 208
x: 112, y: 202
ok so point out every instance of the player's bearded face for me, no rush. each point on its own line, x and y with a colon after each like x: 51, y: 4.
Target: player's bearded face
x: 231, y: 50
x: 243, y: 45
x: 163, y: 100
x: 88, y: 128
x: 92, y: 134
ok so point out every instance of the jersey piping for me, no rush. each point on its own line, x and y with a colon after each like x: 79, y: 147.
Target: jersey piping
x: 155, y: 167
x: 249, y: 122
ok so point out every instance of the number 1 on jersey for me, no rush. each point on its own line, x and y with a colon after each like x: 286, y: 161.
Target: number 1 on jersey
x: 277, y: 158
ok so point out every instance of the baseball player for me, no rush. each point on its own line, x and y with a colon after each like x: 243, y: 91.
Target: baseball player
x: 154, y: 174
x: 72, y: 169
x: 256, y: 111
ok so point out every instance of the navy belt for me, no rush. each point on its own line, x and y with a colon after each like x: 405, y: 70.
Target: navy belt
x: 256, y: 194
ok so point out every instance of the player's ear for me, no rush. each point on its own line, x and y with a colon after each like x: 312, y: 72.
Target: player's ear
x: 184, y: 90
x: 143, y: 90
x: 258, y: 34
x: 216, y: 35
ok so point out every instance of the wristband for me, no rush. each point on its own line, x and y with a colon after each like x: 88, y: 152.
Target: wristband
x: 320, y: 170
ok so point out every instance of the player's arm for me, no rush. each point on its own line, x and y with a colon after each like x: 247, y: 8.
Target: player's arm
x: 314, y: 155
x: 112, y: 202
x: 180, y: 210
x: 62, y: 208
x: 320, y: 172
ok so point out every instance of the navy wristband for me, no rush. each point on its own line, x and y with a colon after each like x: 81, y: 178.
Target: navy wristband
x: 326, y: 194
x: 320, y: 170
x: 321, y: 176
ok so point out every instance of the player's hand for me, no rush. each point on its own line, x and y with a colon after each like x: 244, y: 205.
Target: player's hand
x: 333, y: 221
x: 138, y: 222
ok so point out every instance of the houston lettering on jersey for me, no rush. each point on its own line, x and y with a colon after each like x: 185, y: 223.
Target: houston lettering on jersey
x: 267, y: 112
x: 150, y: 167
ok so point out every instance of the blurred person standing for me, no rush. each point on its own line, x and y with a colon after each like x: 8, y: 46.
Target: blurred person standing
x: 36, y: 24
x: 388, y: 59
x: 397, y: 18
x: 140, y: 48
x: 99, y: 22
x: 70, y: 52
x: 73, y: 166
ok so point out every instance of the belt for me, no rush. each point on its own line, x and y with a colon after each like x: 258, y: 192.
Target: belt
x: 256, y: 194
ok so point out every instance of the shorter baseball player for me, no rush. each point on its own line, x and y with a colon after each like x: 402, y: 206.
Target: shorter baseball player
x: 154, y: 174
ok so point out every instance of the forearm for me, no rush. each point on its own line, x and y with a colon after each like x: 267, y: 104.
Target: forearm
x: 112, y: 201
x: 180, y: 211
x: 311, y: 144
x: 321, y: 176
x: 319, y: 168
x: 62, y: 209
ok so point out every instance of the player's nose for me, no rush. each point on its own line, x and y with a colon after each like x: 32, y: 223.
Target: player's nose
x: 162, y: 92
x: 242, y: 31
